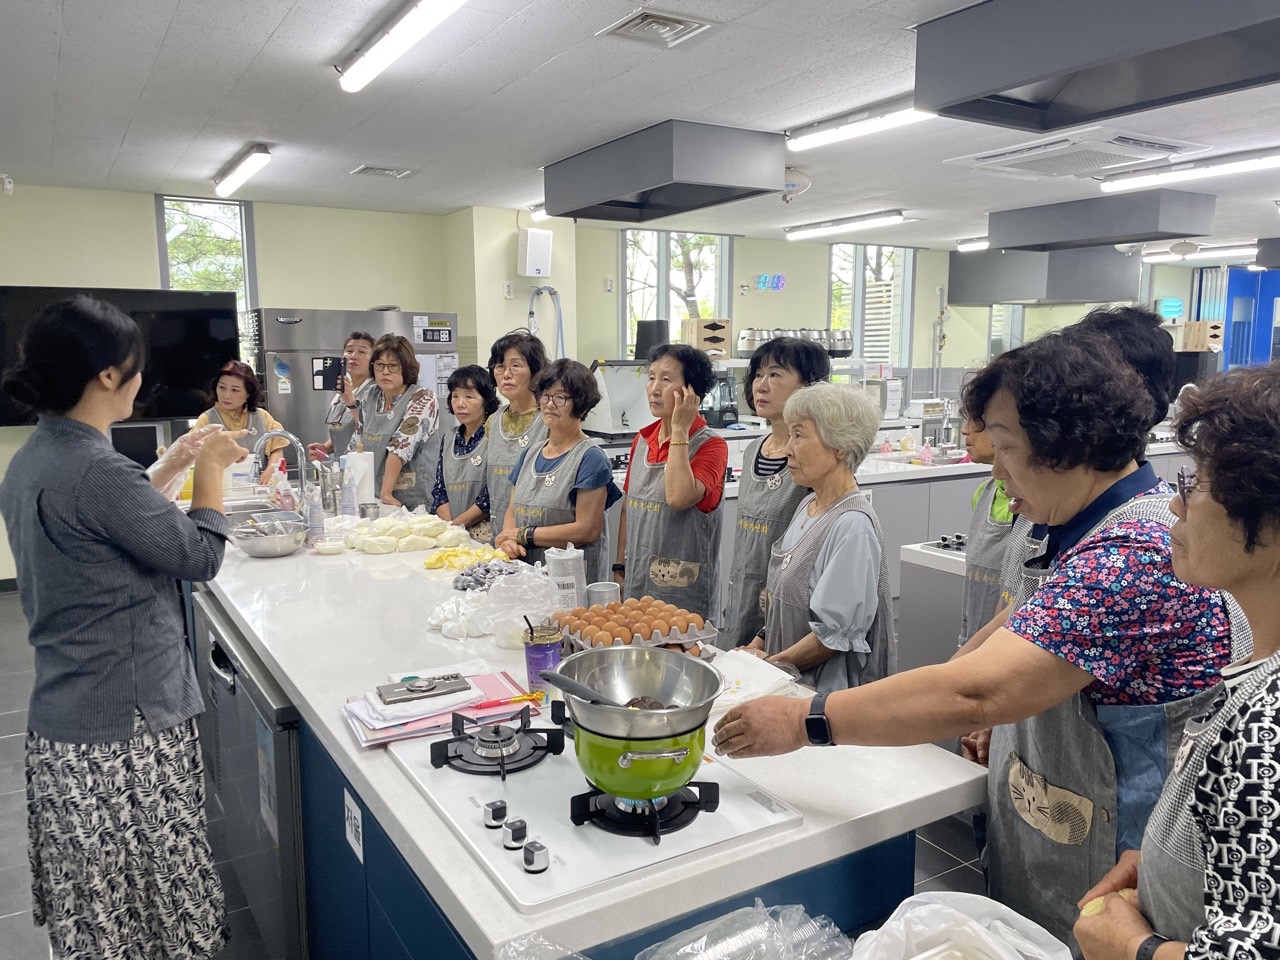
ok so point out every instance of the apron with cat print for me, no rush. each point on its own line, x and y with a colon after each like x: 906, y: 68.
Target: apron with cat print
x: 983, y: 556
x: 789, y: 593
x: 1051, y: 787
x: 502, y: 450
x: 672, y: 555
x: 378, y: 426
x: 765, y: 507
x: 542, y: 500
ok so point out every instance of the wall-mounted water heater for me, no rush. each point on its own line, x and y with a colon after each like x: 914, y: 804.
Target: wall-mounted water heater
x: 533, y: 254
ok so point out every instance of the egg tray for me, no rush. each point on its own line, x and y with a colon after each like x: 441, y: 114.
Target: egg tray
x: 705, y: 639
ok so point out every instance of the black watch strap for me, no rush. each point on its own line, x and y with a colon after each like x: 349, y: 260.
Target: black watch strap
x: 1147, y: 949
x: 816, y: 726
x: 619, y: 568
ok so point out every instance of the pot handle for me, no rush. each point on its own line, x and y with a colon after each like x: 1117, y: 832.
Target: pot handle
x: 626, y: 759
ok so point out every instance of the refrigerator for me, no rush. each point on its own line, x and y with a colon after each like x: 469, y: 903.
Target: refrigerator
x: 299, y: 358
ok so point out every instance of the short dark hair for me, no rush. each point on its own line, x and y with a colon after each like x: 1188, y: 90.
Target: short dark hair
x: 66, y: 346
x: 474, y: 377
x: 244, y: 373
x: 1231, y: 427
x: 1146, y: 347
x: 358, y: 335
x: 695, y: 364
x: 401, y: 350
x: 1078, y: 400
x: 576, y: 380
x: 804, y: 358
x: 530, y: 347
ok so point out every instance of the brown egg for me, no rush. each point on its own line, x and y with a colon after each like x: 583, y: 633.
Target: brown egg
x: 696, y: 621
x: 646, y: 599
x: 597, y: 609
x: 605, y: 640
x: 694, y: 650
x: 613, y: 606
x: 670, y: 609
x: 589, y: 634
x: 680, y: 623
x: 558, y: 618
x: 628, y: 638
x: 630, y: 603
x: 620, y: 633
x: 661, y: 627
x: 579, y: 611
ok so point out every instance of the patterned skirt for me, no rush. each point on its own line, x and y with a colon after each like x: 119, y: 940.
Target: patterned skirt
x: 120, y: 859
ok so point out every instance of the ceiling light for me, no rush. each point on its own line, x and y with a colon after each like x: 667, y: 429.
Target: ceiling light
x: 395, y: 41
x: 970, y: 246
x: 1223, y: 253
x: 1255, y: 267
x: 241, y: 169
x: 1161, y: 258
x: 859, y: 123
x: 1195, y: 170
x: 539, y: 212
x: 808, y: 231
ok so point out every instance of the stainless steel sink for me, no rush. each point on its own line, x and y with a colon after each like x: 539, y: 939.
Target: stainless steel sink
x: 239, y: 511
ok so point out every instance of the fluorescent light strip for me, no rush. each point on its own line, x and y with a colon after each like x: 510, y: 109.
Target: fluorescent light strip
x: 1210, y: 253
x: 244, y: 168
x: 809, y: 231
x: 414, y: 24
x: 1255, y: 267
x: 1181, y: 173
x: 539, y: 213
x: 1162, y: 258
x: 971, y: 246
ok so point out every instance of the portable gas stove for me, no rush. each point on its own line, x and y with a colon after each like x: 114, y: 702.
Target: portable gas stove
x: 517, y: 802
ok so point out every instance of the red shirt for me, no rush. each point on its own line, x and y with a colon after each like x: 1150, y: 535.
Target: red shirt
x: 708, y: 463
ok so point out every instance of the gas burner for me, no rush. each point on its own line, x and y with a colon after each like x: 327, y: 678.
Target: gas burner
x: 645, y: 818
x: 495, y: 748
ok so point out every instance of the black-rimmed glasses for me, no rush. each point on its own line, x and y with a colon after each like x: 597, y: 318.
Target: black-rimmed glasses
x: 557, y: 400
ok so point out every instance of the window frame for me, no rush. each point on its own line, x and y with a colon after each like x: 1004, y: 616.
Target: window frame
x: 248, y: 249
x: 662, y: 309
x: 901, y: 358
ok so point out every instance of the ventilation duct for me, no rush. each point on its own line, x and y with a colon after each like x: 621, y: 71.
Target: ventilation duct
x: 1043, y: 65
x: 672, y: 167
x: 1057, y: 276
x: 1078, y: 153
x: 1099, y: 221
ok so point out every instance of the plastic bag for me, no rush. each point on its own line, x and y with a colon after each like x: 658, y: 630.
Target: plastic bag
x: 528, y: 593
x: 756, y: 933
x: 178, y: 458
x: 952, y: 926
x: 534, y: 946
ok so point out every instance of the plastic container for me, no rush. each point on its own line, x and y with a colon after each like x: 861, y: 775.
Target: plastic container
x: 542, y: 652
x: 330, y: 544
x: 567, y: 569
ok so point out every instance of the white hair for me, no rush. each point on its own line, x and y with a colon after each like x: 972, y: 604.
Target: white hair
x: 845, y: 418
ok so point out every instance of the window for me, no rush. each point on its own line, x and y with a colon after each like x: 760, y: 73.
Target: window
x: 1004, y: 331
x: 675, y: 277
x: 207, y: 245
x: 871, y: 295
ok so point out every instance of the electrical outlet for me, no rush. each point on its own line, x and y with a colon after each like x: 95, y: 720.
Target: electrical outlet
x: 743, y: 289
x: 507, y: 292
x: 608, y: 284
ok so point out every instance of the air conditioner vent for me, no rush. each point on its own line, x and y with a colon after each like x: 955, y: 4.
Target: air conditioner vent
x: 656, y: 28
x: 393, y: 173
x: 1083, y: 153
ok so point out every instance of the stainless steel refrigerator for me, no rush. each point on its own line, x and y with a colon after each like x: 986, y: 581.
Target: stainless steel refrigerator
x: 299, y: 357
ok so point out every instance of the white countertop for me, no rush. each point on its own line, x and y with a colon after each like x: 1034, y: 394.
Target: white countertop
x: 332, y: 627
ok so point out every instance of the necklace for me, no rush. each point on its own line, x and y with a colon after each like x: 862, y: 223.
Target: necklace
x: 815, y: 508
x: 237, y: 421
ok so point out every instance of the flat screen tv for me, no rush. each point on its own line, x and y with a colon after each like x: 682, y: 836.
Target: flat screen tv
x: 188, y: 335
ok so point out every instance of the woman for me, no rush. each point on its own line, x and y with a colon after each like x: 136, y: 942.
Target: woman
x: 564, y: 486
x: 670, y: 522
x: 1105, y: 657
x: 397, y: 418
x: 990, y: 526
x: 118, y: 844
x: 830, y: 607
x: 238, y: 407
x: 515, y: 361
x: 460, y: 494
x: 356, y: 353
x: 767, y: 495
x: 1207, y: 879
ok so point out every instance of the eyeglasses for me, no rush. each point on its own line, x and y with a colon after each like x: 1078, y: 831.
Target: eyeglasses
x: 384, y: 367
x: 557, y: 400
x: 501, y: 368
x: 1187, y: 483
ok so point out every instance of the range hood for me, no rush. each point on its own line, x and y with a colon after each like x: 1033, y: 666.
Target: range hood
x: 1136, y: 217
x: 1042, y: 65
x: 671, y: 167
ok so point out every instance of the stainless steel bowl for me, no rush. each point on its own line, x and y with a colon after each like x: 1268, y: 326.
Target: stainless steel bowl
x: 622, y: 673
x: 274, y: 539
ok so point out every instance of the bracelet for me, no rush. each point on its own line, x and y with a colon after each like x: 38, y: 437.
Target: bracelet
x: 677, y: 443
x: 619, y: 568
x: 1147, y: 949
x: 352, y: 406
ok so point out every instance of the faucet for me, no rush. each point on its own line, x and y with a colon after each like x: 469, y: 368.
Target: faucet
x: 946, y: 428
x: 259, y: 463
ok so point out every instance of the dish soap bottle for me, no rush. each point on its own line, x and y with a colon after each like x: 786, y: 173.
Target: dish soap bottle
x: 926, y: 454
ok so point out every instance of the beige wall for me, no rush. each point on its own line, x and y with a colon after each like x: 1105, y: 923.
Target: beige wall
x: 11, y: 438
x: 597, y: 265
x: 930, y: 274
x: 1043, y: 318
x: 803, y: 300
x: 324, y: 258
x: 1169, y: 280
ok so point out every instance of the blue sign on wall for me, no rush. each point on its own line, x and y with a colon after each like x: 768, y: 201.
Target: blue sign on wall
x: 1170, y: 308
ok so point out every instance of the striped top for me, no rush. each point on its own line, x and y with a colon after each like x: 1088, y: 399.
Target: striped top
x: 98, y: 551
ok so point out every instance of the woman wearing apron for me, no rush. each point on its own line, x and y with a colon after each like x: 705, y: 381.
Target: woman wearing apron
x: 830, y: 607
x: 237, y: 407
x: 564, y: 486
x: 341, y: 419
x: 1090, y: 681
x: 767, y: 496
x: 396, y: 421
x: 460, y: 495
x: 989, y: 528
x: 669, y: 531
x: 1206, y: 877
x: 515, y: 362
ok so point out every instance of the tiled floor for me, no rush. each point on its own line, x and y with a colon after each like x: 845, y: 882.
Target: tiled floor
x: 945, y: 855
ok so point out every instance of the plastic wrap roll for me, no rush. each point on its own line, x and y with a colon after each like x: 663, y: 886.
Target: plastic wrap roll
x: 361, y: 464
x: 567, y: 570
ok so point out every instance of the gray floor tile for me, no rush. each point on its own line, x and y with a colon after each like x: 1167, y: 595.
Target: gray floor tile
x: 13, y: 829
x: 961, y: 880
x: 953, y: 835
x: 15, y: 653
x: 15, y: 890
x: 246, y: 942
x: 22, y: 939
x: 12, y: 775
x: 15, y: 721
x: 931, y: 860
x: 15, y: 690
x: 231, y: 888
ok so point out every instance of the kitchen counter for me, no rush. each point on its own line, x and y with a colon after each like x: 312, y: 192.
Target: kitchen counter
x: 329, y: 628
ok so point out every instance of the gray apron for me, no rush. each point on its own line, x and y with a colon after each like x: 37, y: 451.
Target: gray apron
x: 673, y: 556
x: 341, y: 422
x: 464, y: 478
x: 1051, y: 787
x: 1171, y: 872
x: 256, y: 424
x: 983, y: 555
x: 789, y: 593
x: 500, y: 454
x: 377, y: 427
x: 765, y: 507
x: 542, y: 500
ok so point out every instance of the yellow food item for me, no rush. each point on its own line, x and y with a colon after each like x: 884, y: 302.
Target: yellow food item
x: 459, y: 558
x: 1095, y: 906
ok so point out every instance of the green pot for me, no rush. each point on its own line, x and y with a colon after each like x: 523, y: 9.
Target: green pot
x: 639, y: 769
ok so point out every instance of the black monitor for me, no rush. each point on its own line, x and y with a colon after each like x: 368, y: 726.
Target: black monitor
x: 650, y: 334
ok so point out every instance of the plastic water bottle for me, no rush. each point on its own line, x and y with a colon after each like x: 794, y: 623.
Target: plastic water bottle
x: 347, y: 499
x: 314, y: 512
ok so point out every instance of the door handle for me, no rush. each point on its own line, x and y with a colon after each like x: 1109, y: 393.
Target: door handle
x: 222, y: 668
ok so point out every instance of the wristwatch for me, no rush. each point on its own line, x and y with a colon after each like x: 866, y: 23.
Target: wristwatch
x: 818, y: 728
x: 619, y: 568
x: 1147, y: 949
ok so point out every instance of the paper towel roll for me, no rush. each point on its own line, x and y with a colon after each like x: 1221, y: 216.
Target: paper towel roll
x: 361, y: 465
